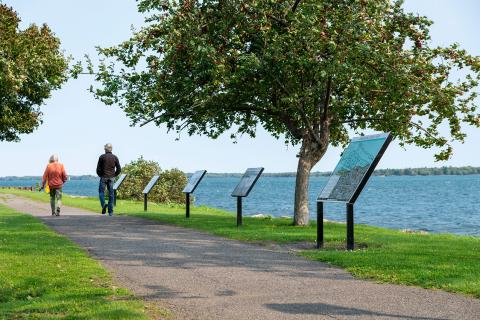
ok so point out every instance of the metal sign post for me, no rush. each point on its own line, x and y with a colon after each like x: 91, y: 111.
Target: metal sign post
x: 239, y: 211
x: 319, y: 224
x: 350, y: 236
x: 187, y: 205
x: 244, y: 187
x: 192, y: 184
x: 350, y: 176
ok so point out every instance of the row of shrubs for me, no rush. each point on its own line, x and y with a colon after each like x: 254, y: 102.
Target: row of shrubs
x: 168, y: 189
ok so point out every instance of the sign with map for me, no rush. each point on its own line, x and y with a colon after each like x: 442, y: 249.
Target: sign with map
x: 150, y: 184
x: 194, y: 180
x: 356, y: 165
x: 119, y: 181
x: 247, y: 182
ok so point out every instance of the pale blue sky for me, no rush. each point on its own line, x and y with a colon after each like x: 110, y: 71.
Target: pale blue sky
x: 76, y: 126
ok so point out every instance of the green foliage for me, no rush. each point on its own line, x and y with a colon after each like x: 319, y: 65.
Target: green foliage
x: 43, y: 275
x: 167, y: 190
x: 308, y: 71
x: 31, y: 66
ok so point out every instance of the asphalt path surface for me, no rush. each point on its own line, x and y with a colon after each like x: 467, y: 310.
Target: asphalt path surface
x: 200, y: 276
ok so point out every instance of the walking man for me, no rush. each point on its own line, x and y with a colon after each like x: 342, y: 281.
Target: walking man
x: 108, y: 168
x: 55, y: 176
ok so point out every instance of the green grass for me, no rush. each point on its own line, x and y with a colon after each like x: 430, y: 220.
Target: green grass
x: 44, y: 275
x: 441, y: 261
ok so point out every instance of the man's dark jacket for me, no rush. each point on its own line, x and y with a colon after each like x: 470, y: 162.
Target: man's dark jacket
x: 108, y: 166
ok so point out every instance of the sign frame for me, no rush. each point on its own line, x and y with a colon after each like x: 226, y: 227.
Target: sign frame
x: 244, y: 194
x: 363, y: 181
x: 200, y: 174
x: 356, y: 193
x: 246, y: 175
x: 119, y: 181
x: 117, y: 185
x: 153, y: 181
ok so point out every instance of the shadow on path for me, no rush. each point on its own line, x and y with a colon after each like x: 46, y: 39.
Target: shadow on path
x: 333, y: 310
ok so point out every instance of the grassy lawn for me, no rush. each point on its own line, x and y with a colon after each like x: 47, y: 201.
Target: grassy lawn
x: 43, y: 275
x: 441, y: 261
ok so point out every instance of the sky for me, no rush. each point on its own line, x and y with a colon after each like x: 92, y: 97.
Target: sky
x: 76, y: 126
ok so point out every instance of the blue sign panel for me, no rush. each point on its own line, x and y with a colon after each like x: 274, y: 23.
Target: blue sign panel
x: 356, y: 165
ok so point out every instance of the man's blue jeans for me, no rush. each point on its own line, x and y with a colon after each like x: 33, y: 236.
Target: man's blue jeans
x: 108, y: 182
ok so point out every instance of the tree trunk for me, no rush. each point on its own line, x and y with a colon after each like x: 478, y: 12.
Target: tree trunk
x: 310, y: 153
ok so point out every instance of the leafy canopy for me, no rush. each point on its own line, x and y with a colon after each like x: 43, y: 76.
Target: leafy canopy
x: 31, y: 66
x: 294, y: 67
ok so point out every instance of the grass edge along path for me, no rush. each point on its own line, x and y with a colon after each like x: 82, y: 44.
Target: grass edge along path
x: 44, y: 275
x: 435, y: 261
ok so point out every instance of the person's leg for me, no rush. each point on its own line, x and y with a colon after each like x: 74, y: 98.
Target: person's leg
x: 101, y: 194
x: 59, y: 200
x: 52, y: 200
x: 111, y: 195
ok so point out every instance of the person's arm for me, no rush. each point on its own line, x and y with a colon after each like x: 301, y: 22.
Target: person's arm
x: 44, y: 178
x: 64, y: 174
x: 118, y: 168
x: 99, y: 167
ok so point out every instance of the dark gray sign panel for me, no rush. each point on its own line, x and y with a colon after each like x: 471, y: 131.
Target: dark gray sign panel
x: 150, y: 184
x: 119, y: 181
x: 356, y: 165
x: 194, y: 180
x: 247, y: 182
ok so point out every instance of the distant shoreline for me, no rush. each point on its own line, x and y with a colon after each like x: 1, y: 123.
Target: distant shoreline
x: 468, y: 170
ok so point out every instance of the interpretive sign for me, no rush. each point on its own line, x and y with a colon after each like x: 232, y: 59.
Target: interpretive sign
x: 190, y: 187
x: 244, y: 187
x: 119, y: 181
x: 351, y: 174
x: 117, y: 185
x: 354, y: 168
x: 150, y: 184
x: 194, y: 180
x: 247, y: 182
x: 147, y: 190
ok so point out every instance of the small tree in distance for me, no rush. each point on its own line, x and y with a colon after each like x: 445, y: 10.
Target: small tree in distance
x: 307, y: 71
x: 167, y: 190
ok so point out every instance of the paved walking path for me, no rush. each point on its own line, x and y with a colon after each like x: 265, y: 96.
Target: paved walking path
x: 199, y: 276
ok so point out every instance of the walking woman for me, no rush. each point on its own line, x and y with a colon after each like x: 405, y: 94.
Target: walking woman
x: 55, y: 176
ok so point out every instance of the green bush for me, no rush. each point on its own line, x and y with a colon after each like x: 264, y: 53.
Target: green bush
x: 168, y: 189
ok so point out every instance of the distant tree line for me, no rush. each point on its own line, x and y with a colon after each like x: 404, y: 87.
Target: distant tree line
x: 27, y: 178
x: 428, y: 171
x: 460, y: 171
x: 380, y: 172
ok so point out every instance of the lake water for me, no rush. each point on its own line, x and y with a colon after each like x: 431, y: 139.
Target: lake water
x: 439, y: 204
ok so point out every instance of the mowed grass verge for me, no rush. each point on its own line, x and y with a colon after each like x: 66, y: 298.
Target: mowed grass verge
x: 44, y: 275
x: 439, y: 261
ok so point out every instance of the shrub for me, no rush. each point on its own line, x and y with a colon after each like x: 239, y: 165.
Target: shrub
x: 168, y: 189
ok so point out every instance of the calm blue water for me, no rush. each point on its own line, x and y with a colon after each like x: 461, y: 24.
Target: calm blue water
x: 437, y: 204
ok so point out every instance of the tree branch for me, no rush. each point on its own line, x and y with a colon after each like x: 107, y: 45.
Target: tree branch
x: 362, y: 120
x: 303, y: 115
x: 295, y: 5
x: 281, y: 21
